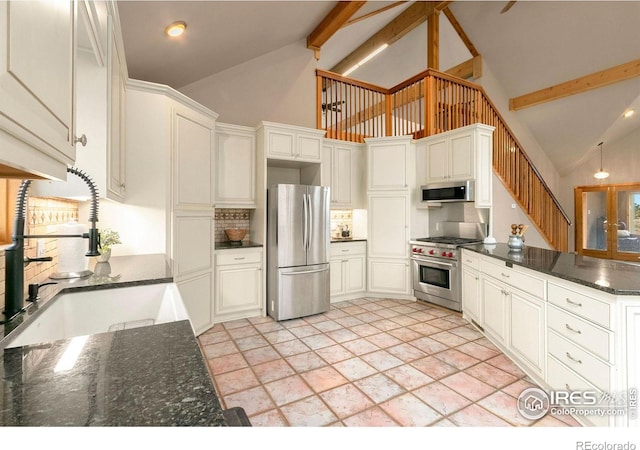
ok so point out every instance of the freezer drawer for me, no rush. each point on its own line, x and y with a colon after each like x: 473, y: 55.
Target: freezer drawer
x: 299, y: 292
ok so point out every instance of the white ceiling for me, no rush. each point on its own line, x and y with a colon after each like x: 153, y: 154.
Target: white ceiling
x: 534, y: 45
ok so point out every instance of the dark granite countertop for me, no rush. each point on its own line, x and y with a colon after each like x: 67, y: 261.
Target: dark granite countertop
x: 228, y: 245
x: 614, y: 277
x: 153, y: 375
x: 336, y: 240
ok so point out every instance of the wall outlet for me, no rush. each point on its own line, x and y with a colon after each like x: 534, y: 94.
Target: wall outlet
x: 40, y: 249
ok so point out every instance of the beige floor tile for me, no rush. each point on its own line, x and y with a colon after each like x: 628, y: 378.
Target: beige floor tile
x: 447, y: 338
x: 271, y: 418
x: 334, y: 354
x: 505, y: 407
x: 424, y: 328
x: 476, y: 350
x: 328, y: 325
x: 276, y: 337
x: 379, y: 387
x: 406, y: 352
x: 235, y: 381
x: 428, y: 345
x: 408, y: 377
x: 260, y: 355
x: 305, y: 362
x: 433, y: 367
x: 214, y: 338
x: 383, y: 340
x: 346, y: 400
x: 409, y: 411
x: 364, y: 330
x: 441, y: 398
x: 310, y: 412
x: 504, y: 363
x: 381, y: 360
x: 219, y: 349
x: 372, y: 417
x: 475, y: 416
x: 227, y: 363
x: 273, y: 370
x: 360, y: 346
x: 253, y: 401
x: 354, y: 369
x: 318, y: 341
x: 466, y: 332
x: 470, y: 387
x: 250, y: 342
x: 266, y: 327
x: 236, y: 324
x: 515, y: 389
x: 237, y: 333
x: 304, y: 331
x: 491, y: 375
x: 291, y: 348
x: 456, y: 359
x: 324, y: 378
x: 288, y: 390
x: 342, y: 335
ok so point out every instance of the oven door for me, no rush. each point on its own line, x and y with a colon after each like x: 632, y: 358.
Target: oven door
x: 439, y: 278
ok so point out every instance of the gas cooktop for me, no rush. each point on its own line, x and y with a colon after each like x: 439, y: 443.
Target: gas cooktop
x: 449, y: 240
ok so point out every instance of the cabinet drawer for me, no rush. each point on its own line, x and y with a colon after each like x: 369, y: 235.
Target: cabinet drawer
x: 589, y: 336
x: 583, y: 363
x: 470, y: 259
x: 560, y: 377
x: 582, y: 305
x: 524, y: 282
x: 348, y: 248
x: 225, y: 258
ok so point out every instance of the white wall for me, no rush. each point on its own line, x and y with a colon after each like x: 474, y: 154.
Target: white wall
x: 277, y: 87
x: 620, y: 158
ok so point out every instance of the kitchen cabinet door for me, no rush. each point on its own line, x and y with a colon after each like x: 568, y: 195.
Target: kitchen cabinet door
x: 388, y: 276
x: 437, y: 161
x: 494, y: 309
x: 193, y: 141
x: 336, y: 277
x: 388, y: 223
x: 341, y: 164
x: 387, y: 163
x: 527, y: 324
x: 471, y: 298
x: 355, y: 274
x: 238, y: 292
x: 117, y: 103
x: 235, y: 166
x: 196, y: 292
x: 37, y: 86
x: 461, y: 161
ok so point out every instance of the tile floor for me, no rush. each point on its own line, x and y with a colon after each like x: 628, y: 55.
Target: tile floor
x: 367, y: 362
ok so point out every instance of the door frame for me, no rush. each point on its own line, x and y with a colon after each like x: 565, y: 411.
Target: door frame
x: 611, y: 191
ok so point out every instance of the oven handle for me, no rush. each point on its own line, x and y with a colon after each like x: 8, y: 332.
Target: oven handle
x: 435, y: 263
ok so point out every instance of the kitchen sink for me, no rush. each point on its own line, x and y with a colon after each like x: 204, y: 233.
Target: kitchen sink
x: 89, y: 312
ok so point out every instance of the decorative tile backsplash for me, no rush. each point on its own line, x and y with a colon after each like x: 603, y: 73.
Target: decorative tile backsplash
x: 231, y: 218
x: 42, y: 216
x: 341, y: 220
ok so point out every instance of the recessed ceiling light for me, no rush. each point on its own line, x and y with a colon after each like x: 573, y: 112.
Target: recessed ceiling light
x: 175, y: 29
x: 628, y: 113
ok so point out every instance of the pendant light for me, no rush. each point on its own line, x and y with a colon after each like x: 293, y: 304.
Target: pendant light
x: 601, y: 174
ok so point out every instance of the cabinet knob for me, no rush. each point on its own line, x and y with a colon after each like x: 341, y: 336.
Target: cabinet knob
x: 82, y: 140
x: 122, y: 185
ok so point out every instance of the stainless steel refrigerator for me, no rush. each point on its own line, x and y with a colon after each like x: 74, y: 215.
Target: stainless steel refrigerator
x: 298, y: 227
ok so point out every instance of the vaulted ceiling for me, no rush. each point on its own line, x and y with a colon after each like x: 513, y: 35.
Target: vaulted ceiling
x: 532, y: 46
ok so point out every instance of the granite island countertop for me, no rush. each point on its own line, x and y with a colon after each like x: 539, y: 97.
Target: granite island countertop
x: 147, y: 376
x: 613, y: 277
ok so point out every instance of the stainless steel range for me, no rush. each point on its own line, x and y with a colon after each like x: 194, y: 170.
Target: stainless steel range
x: 436, y: 272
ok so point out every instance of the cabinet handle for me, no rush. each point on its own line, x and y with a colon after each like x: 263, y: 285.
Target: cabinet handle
x: 573, y: 359
x: 477, y: 278
x: 346, y: 250
x: 239, y: 259
x: 345, y: 260
x: 571, y: 329
x: 569, y: 301
x: 468, y: 260
x: 504, y: 275
x: 504, y: 292
x: 82, y: 140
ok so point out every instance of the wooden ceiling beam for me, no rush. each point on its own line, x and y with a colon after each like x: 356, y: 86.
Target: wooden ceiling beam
x: 406, y: 21
x: 595, y: 80
x: 433, y: 40
x: 332, y: 22
x: 463, y: 36
x: 373, y: 13
x: 471, y: 68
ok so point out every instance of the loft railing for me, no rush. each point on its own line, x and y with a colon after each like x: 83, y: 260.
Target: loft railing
x: 433, y: 102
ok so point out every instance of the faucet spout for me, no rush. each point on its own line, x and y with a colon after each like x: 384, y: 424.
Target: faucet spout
x: 14, y: 254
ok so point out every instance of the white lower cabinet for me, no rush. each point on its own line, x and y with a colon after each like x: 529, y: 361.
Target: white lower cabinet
x: 526, y: 322
x: 388, y: 276
x: 348, y: 270
x: 239, y: 284
x: 494, y: 309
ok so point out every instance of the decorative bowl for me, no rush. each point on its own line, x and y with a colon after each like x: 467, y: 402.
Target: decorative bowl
x: 235, y: 234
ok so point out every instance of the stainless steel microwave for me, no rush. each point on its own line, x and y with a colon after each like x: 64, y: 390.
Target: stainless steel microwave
x: 452, y: 191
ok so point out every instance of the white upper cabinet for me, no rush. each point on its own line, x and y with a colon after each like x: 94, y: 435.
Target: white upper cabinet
x: 37, y: 86
x: 193, y: 140
x: 288, y: 142
x: 116, y: 124
x: 388, y: 163
x: 347, y: 174
x: 235, y: 166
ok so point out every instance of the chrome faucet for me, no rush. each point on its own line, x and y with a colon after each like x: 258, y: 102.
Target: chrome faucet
x: 14, y: 255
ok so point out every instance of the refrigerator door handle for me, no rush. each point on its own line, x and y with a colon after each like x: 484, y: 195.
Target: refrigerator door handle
x: 310, y: 232
x: 305, y: 224
x: 307, y: 271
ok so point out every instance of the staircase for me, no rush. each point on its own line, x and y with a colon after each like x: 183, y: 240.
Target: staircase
x: 429, y: 103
